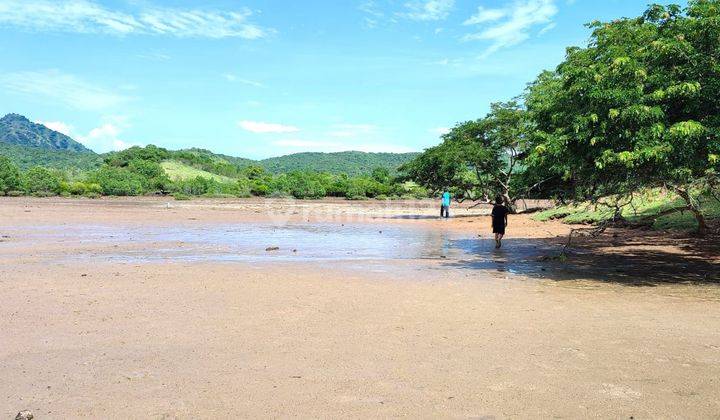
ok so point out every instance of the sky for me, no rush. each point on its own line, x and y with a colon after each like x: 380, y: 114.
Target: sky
x: 267, y: 78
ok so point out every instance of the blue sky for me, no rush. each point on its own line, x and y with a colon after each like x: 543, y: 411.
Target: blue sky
x: 267, y: 78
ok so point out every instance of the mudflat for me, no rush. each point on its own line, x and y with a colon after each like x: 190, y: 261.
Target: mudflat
x: 149, y: 308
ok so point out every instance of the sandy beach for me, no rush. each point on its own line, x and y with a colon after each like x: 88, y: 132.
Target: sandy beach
x: 149, y: 308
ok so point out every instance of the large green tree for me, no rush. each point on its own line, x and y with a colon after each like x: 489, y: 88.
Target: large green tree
x: 477, y: 160
x: 639, y: 107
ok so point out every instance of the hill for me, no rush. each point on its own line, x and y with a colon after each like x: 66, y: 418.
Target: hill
x: 352, y: 163
x: 18, y: 130
x: 26, y: 157
x: 30, y: 144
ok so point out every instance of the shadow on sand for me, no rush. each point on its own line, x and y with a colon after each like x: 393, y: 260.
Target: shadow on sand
x: 425, y: 217
x: 647, y: 259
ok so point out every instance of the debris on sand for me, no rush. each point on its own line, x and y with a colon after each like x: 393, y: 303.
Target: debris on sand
x: 24, y: 415
x: 272, y: 248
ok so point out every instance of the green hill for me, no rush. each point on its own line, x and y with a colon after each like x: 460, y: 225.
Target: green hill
x: 26, y: 157
x: 351, y: 163
x: 31, y: 144
x: 18, y: 130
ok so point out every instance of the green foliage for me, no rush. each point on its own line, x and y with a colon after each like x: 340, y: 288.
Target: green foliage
x: 476, y: 159
x: 381, y: 175
x: 118, y: 181
x: 148, y: 153
x: 305, y: 185
x: 18, y: 130
x: 41, y: 181
x: 351, y: 163
x: 637, y: 108
x: 10, y: 179
x: 26, y: 157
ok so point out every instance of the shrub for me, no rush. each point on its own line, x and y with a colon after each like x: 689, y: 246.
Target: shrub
x: 243, y: 188
x: 10, y: 178
x: 41, y: 182
x: 75, y: 188
x: 259, y: 187
x: 306, y: 186
x: 207, y: 187
x: 118, y: 181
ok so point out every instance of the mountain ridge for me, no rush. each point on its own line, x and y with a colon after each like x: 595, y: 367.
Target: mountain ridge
x: 17, y: 130
x: 30, y: 144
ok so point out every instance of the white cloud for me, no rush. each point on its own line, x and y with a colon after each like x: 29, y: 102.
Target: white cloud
x: 235, y: 79
x: 486, y: 15
x: 547, y: 28
x: 428, y: 10
x: 90, y: 17
x: 106, y: 137
x: 155, y: 56
x: 263, y: 127
x: 61, y: 88
x: 297, y: 145
x: 58, y: 126
x: 510, y: 26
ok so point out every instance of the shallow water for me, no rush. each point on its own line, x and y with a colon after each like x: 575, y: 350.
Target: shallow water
x: 296, y: 242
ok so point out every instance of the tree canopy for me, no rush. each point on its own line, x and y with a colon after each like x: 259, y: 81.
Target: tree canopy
x: 638, y: 107
x: 477, y: 159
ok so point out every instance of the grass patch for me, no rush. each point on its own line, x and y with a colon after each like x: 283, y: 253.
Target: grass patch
x: 647, y: 206
x: 181, y: 197
x: 178, y: 171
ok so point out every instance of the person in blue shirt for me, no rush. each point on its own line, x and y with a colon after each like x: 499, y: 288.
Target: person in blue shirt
x: 445, y: 205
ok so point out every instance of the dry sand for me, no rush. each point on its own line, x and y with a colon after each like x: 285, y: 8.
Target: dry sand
x: 81, y: 336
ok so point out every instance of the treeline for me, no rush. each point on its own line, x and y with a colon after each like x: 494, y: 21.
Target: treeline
x: 138, y: 171
x: 637, y: 108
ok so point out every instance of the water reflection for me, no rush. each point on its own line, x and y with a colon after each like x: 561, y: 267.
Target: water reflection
x: 294, y: 242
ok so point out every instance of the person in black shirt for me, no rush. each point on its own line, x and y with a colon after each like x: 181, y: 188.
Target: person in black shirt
x: 499, y: 220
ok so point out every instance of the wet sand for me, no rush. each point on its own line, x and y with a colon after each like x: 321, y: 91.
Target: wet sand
x: 93, y: 327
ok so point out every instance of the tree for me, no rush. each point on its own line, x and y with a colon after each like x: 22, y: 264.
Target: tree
x: 149, y: 153
x: 381, y: 175
x: 10, y: 179
x: 154, y: 177
x: 41, y: 181
x: 478, y: 159
x: 118, y: 181
x: 637, y: 108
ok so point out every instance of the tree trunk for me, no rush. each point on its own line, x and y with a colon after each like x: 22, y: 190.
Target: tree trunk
x: 508, y: 202
x: 693, y: 208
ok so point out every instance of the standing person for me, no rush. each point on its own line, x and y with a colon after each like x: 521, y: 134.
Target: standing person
x: 445, y: 205
x: 499, y: 220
